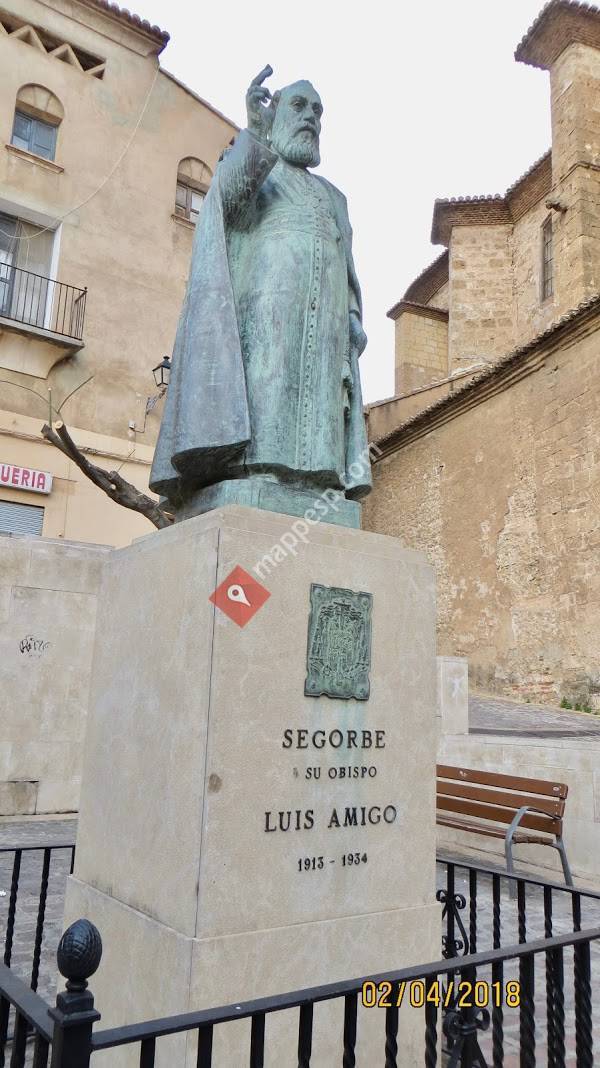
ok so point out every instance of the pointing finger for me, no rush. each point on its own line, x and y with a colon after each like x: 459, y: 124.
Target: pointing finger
x: 266, y: 72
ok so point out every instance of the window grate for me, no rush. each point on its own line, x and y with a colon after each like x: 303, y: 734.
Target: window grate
x: 547, y: 260
x: 20, y: 518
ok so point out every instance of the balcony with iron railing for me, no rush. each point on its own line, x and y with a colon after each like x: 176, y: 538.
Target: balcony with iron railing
x: 41, y: 320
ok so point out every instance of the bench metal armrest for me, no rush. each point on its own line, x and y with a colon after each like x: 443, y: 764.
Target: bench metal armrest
x: 519, y: 816
x: 559, y: 844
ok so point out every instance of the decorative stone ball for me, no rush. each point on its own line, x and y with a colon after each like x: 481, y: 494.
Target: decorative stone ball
x: 79, y: 951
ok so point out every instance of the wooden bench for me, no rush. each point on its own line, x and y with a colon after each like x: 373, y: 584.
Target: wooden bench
x: 520, y: 810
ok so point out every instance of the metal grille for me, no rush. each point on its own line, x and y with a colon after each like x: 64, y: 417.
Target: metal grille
x: 547, y: 260
x: 20, y: 518
x: 42, y: 302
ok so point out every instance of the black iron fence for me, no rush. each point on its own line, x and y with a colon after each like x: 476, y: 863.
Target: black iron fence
x: 452, y: 1031
x: 28, y: 872
x: 515, y: 986
x: 38, y: 866
x: 33, y: 300
x: 485, y: 907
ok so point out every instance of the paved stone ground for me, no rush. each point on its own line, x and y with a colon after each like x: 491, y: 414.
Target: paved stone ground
x: 497, y: 715
x: 50, y: 832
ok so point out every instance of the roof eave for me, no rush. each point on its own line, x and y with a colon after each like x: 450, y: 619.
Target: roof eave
x: 571, y: 321
x: 559, y: 24
x: 160, y: 38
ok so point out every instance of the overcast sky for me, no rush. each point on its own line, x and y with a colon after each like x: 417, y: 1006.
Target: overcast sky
x: 422, y: 100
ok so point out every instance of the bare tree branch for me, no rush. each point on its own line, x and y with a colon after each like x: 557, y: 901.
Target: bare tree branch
x: 111, y: 482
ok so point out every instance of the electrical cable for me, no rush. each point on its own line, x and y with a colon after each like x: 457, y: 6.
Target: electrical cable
x: 58, y: 221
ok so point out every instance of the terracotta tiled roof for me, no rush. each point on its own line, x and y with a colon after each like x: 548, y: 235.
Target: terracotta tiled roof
x: 535, y: 167
x: 161, y: 36
x: 559, y: 24
x: 427, y: 310
x: 397, y: 437
x: 426, y: 284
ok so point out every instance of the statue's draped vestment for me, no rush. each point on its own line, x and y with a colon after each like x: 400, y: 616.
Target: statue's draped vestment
x: 263, y: 348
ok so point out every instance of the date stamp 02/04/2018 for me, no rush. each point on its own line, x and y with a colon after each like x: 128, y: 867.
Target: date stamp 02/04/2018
x: 461, y: 995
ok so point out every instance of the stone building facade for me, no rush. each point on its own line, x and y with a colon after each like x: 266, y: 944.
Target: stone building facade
x: 105, y: 161
x: 491, y: 447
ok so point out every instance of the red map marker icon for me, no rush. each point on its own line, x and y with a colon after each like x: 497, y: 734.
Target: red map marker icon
x: 240, y: 596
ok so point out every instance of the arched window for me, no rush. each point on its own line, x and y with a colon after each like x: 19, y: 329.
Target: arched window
x: 38, y: 114
x: 193, y: 180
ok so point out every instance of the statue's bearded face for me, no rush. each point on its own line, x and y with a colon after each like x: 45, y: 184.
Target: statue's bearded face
x: 297, y: 124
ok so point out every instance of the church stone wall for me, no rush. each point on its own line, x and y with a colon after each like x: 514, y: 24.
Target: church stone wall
x: 421, y: 350
x: 575, y: 90
x: 505, y: 500
x: 481, y: 283
x: 532, y: 315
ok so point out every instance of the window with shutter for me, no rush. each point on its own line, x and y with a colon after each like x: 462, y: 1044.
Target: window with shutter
x: 188, y: 201
x: 44, y: 139
x: 20, y: 518
x: 195, y: 204
x: 22, y: 131
x: 34, y: 135
x: 181, y: 199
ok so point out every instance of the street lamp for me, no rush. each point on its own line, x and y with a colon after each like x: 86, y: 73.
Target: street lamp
x: 162, y: 372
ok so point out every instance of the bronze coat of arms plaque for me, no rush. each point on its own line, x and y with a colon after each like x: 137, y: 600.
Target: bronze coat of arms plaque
x: 339, y: 643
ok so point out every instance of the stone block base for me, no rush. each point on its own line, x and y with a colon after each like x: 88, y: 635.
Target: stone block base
x: 163, y: 972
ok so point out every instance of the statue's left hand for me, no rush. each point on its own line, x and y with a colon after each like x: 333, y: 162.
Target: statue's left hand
x: 358, y: 338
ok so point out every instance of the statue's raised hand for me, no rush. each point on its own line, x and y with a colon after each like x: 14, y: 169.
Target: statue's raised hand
x: 260, y: 115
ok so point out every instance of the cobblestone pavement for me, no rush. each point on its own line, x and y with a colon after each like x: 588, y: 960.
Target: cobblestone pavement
x: 491, y: 715
x: 53, y: 832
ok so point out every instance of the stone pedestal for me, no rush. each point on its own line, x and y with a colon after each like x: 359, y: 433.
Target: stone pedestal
x: 239, y: 838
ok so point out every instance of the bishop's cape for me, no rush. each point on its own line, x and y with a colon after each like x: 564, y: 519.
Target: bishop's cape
x: 264, y: 380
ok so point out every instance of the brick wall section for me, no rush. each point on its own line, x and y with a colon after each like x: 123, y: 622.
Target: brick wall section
x: 481, y: 291
x: 532, y: 187
x: 505, y: 500
x: 558, y: 24
x: 421, y: 350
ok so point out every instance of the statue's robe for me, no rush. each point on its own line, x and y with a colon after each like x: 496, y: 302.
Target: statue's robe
x: 263, y: 344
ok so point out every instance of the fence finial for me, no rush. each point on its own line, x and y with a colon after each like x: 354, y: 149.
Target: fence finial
x: 79, y: 954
